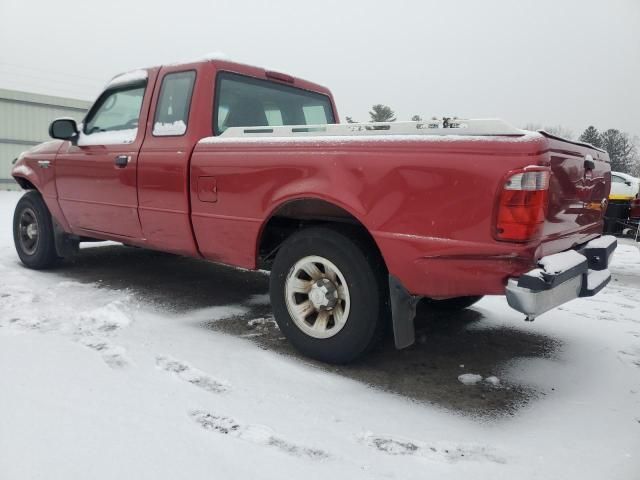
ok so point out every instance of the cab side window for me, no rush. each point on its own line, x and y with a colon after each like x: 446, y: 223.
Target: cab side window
x: 116, y: 111
x: 174, y: 102
x: 617, y: 179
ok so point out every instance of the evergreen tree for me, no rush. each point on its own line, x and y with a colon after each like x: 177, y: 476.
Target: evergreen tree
x: 350, y: 120
x: 382, y: 113
x: 592, y: 136
x: 622, y: 151
x: 416, y: 118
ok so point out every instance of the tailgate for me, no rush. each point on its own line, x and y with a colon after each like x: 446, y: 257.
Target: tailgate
x: 578, y: 192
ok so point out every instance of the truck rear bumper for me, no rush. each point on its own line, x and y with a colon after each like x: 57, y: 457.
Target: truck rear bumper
x: 562, y: 277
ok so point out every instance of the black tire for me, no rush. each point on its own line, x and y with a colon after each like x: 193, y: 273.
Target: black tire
x: 450, y: 304
x: 365, y: 275
x: 41, y: 253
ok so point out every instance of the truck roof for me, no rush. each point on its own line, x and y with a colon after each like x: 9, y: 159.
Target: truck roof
x: 222, y: 63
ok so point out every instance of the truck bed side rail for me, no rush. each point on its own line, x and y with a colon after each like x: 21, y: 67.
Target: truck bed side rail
x: 465, y: 127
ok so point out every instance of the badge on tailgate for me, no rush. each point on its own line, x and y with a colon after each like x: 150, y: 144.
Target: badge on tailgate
x: 207, y: 189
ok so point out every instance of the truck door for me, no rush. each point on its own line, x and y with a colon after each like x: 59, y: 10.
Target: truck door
x: 96, y: 176
x: 182, y: 95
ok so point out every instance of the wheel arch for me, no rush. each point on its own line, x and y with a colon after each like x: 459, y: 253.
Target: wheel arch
x: 43, y: 183
x: 26, y: 176
x: 24, y: 183
x: 293, y: 214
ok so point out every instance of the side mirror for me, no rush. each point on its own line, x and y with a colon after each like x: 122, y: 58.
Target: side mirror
x: 63, y: 128
x: 628, y: 183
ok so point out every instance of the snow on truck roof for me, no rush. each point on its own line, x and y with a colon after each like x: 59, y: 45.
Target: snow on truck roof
x: 141, y: 73
x: 128, y: 77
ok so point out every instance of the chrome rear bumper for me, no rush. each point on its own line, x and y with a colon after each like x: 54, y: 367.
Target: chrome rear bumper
x: 562, y: 277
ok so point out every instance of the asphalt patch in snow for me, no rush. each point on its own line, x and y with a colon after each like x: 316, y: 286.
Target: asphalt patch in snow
x: 257, y: 434
x: 426, y: 372
x: 259, y: 299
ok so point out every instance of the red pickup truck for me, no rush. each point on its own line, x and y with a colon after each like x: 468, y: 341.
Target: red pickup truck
x: 356, y: 222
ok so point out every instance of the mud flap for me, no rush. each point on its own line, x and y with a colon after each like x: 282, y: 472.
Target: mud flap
x: 66, y: 245
x: 403, y: 312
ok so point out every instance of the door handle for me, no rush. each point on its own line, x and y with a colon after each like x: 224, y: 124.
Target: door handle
x: 122, y: 161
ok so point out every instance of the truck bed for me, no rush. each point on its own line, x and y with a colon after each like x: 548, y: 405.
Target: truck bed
x: 427, y: 200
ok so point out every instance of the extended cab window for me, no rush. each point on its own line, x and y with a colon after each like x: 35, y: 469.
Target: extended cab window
x: 117, y: 110
x: 248, y: 102
x: 172, y: 112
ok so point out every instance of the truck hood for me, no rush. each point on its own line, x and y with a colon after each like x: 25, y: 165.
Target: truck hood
x: 23, y: 165
x: 52, y: 146
x: 45, y: 148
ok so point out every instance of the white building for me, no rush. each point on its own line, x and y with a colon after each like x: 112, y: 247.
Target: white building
x: 24, y: 122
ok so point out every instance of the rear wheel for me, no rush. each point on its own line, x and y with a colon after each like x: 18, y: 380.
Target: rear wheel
x: 33, y: 232
x: 327, y: 293
x: 450, y: 304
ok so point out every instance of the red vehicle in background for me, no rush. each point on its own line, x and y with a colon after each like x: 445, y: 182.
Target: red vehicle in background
x: 247, y: 167
x: 634, y: 216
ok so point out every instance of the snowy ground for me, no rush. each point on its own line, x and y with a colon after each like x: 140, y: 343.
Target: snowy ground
x: 132, y: 364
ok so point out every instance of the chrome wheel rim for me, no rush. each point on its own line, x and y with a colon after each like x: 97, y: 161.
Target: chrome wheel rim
x: 28, y: 231
x: 317, y: 297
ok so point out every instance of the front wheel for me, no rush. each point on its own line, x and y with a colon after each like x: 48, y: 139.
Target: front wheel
x: 33, y: 232
x: 328, y: 294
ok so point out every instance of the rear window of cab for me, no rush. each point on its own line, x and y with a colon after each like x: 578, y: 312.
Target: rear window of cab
x: 242, y: 101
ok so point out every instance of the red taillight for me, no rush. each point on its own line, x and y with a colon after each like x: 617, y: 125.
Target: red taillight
x: 522, y: 204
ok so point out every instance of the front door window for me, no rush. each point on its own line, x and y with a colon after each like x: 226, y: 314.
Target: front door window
x: 114, y: 118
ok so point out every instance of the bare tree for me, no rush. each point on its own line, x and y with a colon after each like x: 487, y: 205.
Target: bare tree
x: 557, y: 130
x: 560, y: 131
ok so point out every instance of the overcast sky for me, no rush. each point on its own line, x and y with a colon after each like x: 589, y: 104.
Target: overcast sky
x: 549, y: 62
